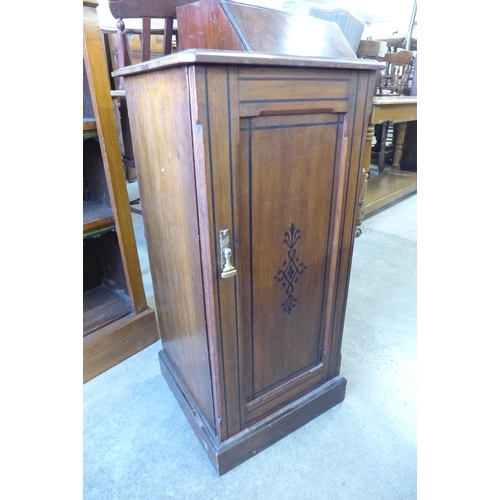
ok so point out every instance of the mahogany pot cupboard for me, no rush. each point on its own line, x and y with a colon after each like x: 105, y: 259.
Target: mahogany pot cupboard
x: 249, y: 175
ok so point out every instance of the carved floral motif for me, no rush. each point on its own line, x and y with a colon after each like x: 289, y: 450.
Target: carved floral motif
x: 292, y: 268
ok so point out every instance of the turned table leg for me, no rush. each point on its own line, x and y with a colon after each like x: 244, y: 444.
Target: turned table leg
x: 381, y: 155
x: 365, y: 174
x: 398, y: 148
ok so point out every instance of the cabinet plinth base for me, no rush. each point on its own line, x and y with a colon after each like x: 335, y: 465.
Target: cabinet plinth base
x: 117, y: 341
x: 234, y: 451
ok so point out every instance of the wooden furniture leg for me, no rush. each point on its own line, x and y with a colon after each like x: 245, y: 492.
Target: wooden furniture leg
x: 381, y: 155
x: 365, y: 175
x: 398, y: 149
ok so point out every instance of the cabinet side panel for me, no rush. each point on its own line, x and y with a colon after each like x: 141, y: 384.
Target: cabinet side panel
x: 158, y: 107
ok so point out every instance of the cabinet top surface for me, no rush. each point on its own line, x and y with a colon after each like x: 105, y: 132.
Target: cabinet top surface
x: 222, y: 57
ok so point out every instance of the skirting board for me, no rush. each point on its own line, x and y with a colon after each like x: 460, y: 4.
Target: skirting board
x: 256, y: 438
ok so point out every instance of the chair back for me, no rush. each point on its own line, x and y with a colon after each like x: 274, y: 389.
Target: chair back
x: 399, y: 66
x: 144, y: 10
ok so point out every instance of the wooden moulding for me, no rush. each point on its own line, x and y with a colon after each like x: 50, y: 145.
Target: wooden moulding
x: 228, y: 454
x: 194, y: 56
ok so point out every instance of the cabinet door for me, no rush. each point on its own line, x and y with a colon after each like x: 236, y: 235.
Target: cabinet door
x: 287, y: 194
x: 276, y: 161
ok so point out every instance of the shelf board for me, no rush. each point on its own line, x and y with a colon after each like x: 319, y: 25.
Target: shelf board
x: 96, y: 215
x: 388, y: 187
x: 102, y: 306
x: 89, y: 124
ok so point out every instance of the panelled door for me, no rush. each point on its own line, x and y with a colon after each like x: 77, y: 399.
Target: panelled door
x: 286, y: 193
x: 274, y: 159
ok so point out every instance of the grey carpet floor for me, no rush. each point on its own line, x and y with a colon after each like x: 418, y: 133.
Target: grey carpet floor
x: 138, y: 444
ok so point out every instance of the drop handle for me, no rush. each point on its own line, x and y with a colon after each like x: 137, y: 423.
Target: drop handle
x: 228, y: 270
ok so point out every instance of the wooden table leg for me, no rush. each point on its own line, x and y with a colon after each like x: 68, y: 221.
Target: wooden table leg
x: 381, y: 155
x: 365, y: 174
x: 398, y: 149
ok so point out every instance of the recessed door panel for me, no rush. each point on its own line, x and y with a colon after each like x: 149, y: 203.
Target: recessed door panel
x: 286, y: 190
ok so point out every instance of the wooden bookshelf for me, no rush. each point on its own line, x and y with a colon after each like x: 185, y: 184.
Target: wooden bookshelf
x: 117, y: 321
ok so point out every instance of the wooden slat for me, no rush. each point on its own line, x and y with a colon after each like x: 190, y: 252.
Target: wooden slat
x: 167, y: 36
x: 146, y: 39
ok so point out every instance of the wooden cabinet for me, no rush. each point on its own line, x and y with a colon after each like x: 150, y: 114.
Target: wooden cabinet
x: 117, y: 321
x: 250, y: 162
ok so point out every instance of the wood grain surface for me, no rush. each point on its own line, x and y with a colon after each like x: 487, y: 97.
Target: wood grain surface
x: 285, y: 183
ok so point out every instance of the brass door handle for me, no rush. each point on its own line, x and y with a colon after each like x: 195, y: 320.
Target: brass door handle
x: 228, y: 270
